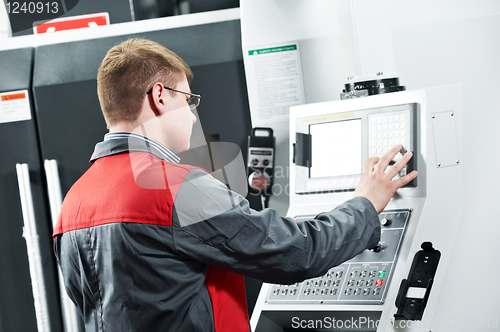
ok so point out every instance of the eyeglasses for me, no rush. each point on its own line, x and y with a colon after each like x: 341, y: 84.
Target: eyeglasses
x: 193, y: 101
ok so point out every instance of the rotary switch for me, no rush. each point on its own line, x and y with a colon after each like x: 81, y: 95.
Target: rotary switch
x: 379, y: 247
x: 386, y: 222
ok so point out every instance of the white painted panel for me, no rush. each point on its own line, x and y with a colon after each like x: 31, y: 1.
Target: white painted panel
x: 464, y: 50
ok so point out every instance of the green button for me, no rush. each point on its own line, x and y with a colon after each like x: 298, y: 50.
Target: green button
x: 381, y: 274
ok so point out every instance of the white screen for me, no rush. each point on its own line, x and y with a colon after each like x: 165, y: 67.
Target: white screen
x: 336, y: 148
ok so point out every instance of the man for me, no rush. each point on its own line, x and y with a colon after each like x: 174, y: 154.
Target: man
x: 147, y: 244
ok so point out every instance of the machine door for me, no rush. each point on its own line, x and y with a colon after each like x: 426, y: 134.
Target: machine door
x: 28, y: 271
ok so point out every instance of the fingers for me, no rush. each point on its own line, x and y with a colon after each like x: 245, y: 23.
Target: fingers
x: 376, y: 182
x: 398, y: 166
x: 387, y: 157
x: 404, y: 180
x: 370, y: 164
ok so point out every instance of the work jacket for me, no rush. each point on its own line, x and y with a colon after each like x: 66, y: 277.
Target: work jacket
x: 146, y: 244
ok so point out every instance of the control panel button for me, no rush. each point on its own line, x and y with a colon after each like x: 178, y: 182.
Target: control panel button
x: 381, y: 274
x: 258, y: 180
x: 379, y: 283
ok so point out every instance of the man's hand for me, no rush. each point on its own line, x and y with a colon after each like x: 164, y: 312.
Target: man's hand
x: 376, y: 184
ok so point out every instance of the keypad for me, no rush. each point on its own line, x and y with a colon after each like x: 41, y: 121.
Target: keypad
x: 326, y: 287
x: 363, y: 282
x: 387, y: 130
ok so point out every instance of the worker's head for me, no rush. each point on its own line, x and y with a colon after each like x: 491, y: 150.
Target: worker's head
x: 132, y: 69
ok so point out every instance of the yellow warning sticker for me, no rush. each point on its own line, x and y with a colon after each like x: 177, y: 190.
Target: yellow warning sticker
x: 329, y: 117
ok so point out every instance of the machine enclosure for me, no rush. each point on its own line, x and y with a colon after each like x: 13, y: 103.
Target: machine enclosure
x: 433, y: 204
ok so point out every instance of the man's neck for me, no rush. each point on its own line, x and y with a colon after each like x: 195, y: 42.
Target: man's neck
x: 122, y: 127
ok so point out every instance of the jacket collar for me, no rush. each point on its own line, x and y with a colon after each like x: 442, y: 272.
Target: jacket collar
x: 124, y: 142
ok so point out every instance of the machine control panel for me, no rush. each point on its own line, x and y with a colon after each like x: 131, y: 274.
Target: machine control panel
x: 363, y: 279
x: 350, y: 138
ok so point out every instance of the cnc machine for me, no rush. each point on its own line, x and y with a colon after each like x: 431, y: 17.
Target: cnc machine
x: 396, y: 285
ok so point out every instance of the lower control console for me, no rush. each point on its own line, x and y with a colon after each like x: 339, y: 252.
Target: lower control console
x: 363, y: 279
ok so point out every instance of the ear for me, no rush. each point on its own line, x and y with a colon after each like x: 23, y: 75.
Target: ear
x: 157, y: 99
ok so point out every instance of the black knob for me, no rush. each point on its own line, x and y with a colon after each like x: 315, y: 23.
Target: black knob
x: 386, y: 222
x: 255, y: 162
x: 379, y: 247
x: 266, y: 162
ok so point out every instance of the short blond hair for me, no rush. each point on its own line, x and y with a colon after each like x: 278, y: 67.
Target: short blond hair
x: 129, y: 70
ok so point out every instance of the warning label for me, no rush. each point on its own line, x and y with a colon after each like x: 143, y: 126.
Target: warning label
x: 14, y: 106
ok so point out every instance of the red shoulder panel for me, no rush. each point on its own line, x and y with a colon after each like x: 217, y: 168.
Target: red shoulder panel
x: 136, y: 187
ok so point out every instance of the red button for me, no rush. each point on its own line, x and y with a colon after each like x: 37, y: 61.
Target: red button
x: 379, y: 282
x: 259, y: 181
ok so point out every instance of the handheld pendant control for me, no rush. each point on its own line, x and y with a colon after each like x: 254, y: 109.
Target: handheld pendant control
x: 260, y: 162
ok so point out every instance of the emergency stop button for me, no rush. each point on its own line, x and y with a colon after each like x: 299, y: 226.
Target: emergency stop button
x: 258, y: 180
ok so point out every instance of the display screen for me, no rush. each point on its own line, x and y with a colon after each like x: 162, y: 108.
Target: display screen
x: 336, y: 148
